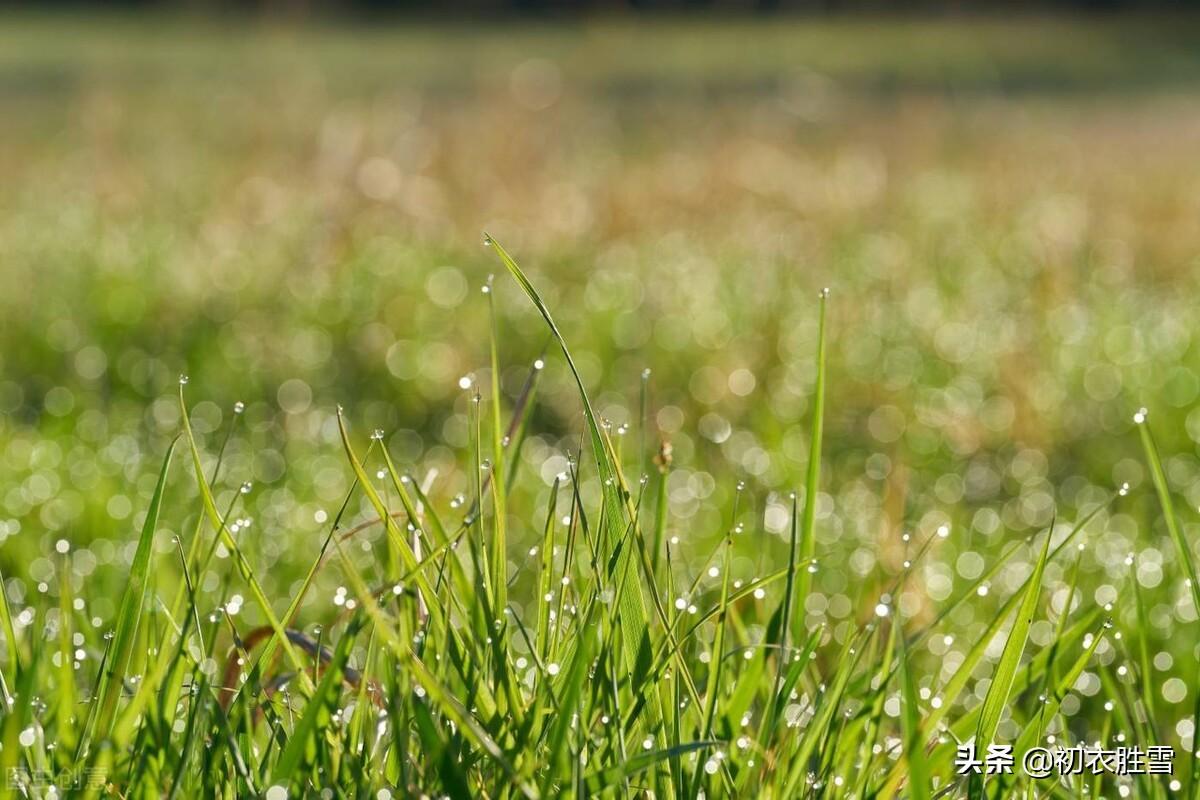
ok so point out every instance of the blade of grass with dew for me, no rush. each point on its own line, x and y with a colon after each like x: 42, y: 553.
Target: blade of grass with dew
x: 817, y: 734
x: 962, y: 728
x: 408, y: 558
x: 779, y: 699
x: 65, y: 694
x: 641, y: 762
x: 954, y: 687
x: 130, y: 612
x: 247, y: 572
x: 914, y: 745
x: 717, y: 662
x: 975, y: 654
x: 1010, y: 658
x: 18, y: 715
x: 546, y: 575
x: 972, y: 589
x: 875, y: 715
x: 1141, y: 637
x: 1168, y: 507
x: 812, y: 480
x: 1060, y: 627
x: 499, y: 544
x: 568, y: 699
x: 782, y: 628
x: 1033, y: 731
x: 13, y: 644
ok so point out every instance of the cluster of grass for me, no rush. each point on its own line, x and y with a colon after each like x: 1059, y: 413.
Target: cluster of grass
x: 610, y: 660
x: 289, y: 214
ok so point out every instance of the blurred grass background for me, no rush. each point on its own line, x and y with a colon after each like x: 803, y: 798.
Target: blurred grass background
x: 1007, y: 213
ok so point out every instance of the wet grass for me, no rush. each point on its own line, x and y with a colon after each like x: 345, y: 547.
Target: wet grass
x: 744, y: 539
x: 611, y: 667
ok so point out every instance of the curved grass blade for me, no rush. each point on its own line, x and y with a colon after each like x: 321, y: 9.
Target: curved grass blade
x: 247, y: 572
x: 642, y: 762
x: 630, y: 604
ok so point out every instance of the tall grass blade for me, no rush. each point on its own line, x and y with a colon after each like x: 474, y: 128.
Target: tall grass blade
x: 1163, y: 490
x: 1010, y: 658
x: 129, y: 614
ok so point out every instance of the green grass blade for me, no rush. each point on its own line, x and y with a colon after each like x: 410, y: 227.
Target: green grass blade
x: 129, y: 614
x: 10, y: 634
x: 1168, y: 507
x: 498, y: 558
x: 1010, y: 658
x: 226, y: 538
x: 914, y: 748
x: 812, y: 480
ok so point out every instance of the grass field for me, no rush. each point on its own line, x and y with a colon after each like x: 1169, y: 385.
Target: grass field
x: 627, y: 570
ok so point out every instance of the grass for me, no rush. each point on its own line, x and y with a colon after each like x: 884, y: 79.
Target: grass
x: 608, y: 670
x: 805, y: 534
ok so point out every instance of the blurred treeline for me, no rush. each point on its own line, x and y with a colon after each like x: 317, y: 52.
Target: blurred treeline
x: 499, y: 8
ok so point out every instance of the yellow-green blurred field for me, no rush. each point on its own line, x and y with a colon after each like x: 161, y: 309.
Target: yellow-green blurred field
x: 1007, y: 214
